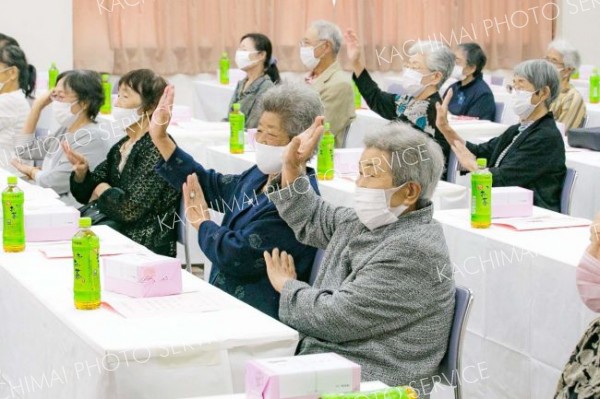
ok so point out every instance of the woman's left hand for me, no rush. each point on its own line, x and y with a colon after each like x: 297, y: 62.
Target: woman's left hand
x: 465, y: 157
x: 196, y: 208
x: 27, y: 170
x: 280, y: 268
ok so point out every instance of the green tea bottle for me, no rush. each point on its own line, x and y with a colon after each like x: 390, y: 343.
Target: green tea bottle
x: 325, y: 167
x: 224, y: 69
x: 106, y: 107
x: 86, y: 267
x: 237, y: 127
x: 13, y: 233
x: 595, y: 87
x: 357, y: 97
x: 52, y: 76
x: 481, y: 196
x: 404, y: 392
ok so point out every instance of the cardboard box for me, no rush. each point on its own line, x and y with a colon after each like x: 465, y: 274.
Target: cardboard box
x: 56, y: 223
x: 142, y: 275
x: 510, y: 202
x: 301, y: 377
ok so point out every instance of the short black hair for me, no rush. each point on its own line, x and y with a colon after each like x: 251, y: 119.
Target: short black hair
x: 148, y: 84
x: 263, y: 43
x: 87, y: 85
x: 475, y: 56
x: 6, y: 40
x: 13, y: 56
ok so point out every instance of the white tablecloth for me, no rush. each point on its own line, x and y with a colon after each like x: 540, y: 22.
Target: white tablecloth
x: 527, y: 315
x: 48, y: 349
x: 211, y: 99
x: 195, y: 136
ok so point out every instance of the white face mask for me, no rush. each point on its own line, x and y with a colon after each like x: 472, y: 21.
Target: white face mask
x: 372, y: 205
x: 125, y: 117
x: 521, y: 103
x: 307, y: 56
x: 457, y: 73
x: 62, y: 113
x: 242, y: 59
x: 269, y: 158
x: 411, y: 82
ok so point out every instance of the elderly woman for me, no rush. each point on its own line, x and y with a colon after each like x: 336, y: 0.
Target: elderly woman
x: 429, y: 66
x: 581, y: 375
x: 251, y: 224
x: 75, y: 101
x: 530, y: 154
x: 255, y: 57
x: 125, y: 187
x: 377, y: 298
x: 472, y: 95
x: 569, y: 107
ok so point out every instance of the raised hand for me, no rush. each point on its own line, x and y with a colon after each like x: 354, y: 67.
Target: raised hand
x: 79, y: 162
x: 441, y: 119
x: 300, y: 150
x: 280, y: 268
x: 196, y: 208
x: 161, y: 117
x: 352, y: 45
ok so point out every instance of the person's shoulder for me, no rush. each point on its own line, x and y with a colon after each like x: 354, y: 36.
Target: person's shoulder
x: 15, y: 99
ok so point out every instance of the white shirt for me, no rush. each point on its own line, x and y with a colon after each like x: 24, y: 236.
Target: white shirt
x: 14, y: 109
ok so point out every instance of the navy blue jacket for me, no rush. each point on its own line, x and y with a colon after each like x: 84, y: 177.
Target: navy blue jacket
x: 473, y: 99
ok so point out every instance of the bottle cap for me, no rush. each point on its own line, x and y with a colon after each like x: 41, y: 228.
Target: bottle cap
x: 481, y: 162
x: 12, y: 180
x: 85, y: 222
x: 236, y: 106
x: 105, y: 77
x: 326, y: 126
x: 224, y: 54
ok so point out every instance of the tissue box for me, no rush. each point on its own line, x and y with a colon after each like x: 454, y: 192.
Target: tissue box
x: 54, y: 223
x: 142, y: 275
x: 305, y: 377
x: 510, y: 202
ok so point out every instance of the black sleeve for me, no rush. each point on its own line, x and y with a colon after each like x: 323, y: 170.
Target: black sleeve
x: 379, y: 101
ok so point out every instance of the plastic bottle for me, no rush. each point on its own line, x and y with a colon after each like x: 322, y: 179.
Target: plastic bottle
x: 357, y: 97
x: 404, y: 392
x: 224, y: 69
x: 481, y: 196
x: 52, y: 76
x: 237, y: 124
x: 595, y: 87
x: 106, y: 107
x: 13, y: 233
x: 86, y: 267
x: 325, y: 166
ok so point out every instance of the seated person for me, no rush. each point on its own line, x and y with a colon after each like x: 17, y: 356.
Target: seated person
x: 125, y: 187
x: 378, y: 299
x: 255, y: 57
x: 6, y: 40
x: 319, y: 51
x: 472, y: 95
x: 569, y: 107
x: 530, y: 154
x: 251, y: 224
x: 429, y: 66
x: 580, y: 375
x: 17, y: 84
x: 76, y: 101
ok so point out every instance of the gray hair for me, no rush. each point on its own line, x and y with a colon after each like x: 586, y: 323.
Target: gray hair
x: 438, y: 57
x: 296, y: 104
x: 540, y: 73
x: 414, y: 156
x: 570, y: 55
x: 330, y: 32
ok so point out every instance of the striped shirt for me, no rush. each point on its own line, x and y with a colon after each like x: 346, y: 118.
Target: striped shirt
x: 569, y: 108
x: 14, y: 109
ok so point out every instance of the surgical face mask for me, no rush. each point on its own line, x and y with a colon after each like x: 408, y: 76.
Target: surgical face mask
x: 588, y: 282
x: 242, y: 59
x: 457, y: 73
x: 125, y: 117
x: 372, y: 205
x: 269, y: 158
x: 62, y: 113
x: 307, y: 56
x: 411, y: 82
x: 521, y: 103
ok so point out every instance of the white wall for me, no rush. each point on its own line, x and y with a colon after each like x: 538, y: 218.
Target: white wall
x: 43, y: 28
x: 579, y: 23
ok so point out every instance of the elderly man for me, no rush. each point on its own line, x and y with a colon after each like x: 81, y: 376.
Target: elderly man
x: 569, y: 107
x: 378, y: 298
x: 318, y: 51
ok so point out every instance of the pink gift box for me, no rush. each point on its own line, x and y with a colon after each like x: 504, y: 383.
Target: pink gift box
x: 57, y: 223
x: 142, y: 275
x: 508, y: 202
x: 301, y: 377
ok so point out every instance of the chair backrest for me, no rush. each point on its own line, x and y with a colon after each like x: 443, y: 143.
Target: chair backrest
x: 497, y: 80
x: 452, y: 168
x: 396, y: 88
x: 316, y: 265
x: 499, y: 112
x: 567, y: 191
x: 450, y: 364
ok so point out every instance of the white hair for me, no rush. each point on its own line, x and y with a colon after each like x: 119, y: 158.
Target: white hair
x: 330, y: 32
x: 438, y: 57
x: 540, y: 73
x: 570, y: 55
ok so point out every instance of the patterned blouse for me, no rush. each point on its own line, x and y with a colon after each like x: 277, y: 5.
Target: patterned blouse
x: 141, y: 201
x: 569, y: 108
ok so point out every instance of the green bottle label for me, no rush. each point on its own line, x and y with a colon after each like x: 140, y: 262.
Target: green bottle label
x: 237, y: 122
x: 224, y: 71
x: 107, y: 106
x: 325, y: 167
x: 52, y: 77
x: 86, y: 267
x: 481, y: 201
x: 357, y: 97
x: 13, y: 233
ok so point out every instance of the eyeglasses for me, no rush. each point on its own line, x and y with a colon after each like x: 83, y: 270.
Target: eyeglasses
x: 303, y: 43
x: 511, y: 88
